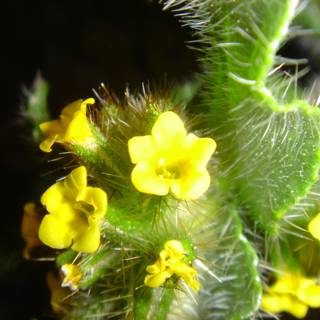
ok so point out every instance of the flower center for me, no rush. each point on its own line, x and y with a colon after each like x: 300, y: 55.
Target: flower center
x: 167, y: 170
x: 84, y: 209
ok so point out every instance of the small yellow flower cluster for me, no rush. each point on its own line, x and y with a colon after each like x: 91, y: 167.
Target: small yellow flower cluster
x: 168, y: 160
x: 171, y: 260
x: 292, y: 293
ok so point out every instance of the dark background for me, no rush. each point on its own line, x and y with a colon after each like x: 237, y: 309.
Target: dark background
x: 75, y: 45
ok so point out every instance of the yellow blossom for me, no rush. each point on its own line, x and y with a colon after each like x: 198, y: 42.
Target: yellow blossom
x: 71, y: 127
x: 171, y: 260
x: 314, y: 226
x: 72, y: 276
x: 292, y: 293
x: 29, y: 229
x: 159, y: 273
x: 75, y: 212
x: 171, y: 160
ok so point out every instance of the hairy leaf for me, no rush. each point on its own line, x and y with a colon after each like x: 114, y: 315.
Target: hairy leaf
x: 268, y: 140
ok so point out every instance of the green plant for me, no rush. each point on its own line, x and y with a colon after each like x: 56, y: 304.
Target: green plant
x: 264, y: 187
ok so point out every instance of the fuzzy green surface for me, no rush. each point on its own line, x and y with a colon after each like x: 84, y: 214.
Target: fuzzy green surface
x: 153, y: 303
x: 268, y: 143
x: 275, y: 159
x: 237, y: 293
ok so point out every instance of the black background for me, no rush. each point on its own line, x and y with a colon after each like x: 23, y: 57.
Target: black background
x: 75, y: 45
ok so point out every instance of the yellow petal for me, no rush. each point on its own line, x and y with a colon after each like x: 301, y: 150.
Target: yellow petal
x: 164, y: 255
x: 191, y: 281
x: 78, y: 130
x: 156, y: 280
x: 76, y: 122
x: 156, y: 267
x: 87, y: 240
x: 275, y: 303
x: 46, y: 145
x: 192, y: 184
x: 55, y: 198
x: 50, y: 128
x: 68, y: 112
x: 72, y: 277
x: 53, y: 131
x: 75, y: 182
x: 75, y: 106
x: 314, y: 226
x: 86, y: 102
x: 168, y: 129
x: 62, y: 195
x: 297, y: 308
x: 272, y: 303
x: 309, y: 293
x: 181, y: 268
x: 287, y: 283
x: 141, y: 148
x: 175, y: 249
x: 201, y: 149
x: 145, y: 179
x: 95, y: 197
x: 55, y: 233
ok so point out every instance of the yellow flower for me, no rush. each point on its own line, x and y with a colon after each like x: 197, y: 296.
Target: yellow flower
x: 314, y: 226
x: 171, y: 160
x: 159, y: 273
x: 75, y: 212
x: 29, y: 229
x: 71, y: 127
x: 174, y: 249
x: 293, y: 294
x: 171, y: 261
x: 72, y: 276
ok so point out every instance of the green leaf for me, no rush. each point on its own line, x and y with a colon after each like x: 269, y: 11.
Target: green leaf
x: 268, y: 142
x: 272, y: 158
x: 237, y: 291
